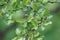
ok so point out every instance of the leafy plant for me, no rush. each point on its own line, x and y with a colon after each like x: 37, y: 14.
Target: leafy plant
x: 32, y: 17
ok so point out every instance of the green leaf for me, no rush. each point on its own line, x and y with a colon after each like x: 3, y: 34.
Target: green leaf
x: 26, y: 2
x: 44, y: 1
x: 21, y: 5
x: 35, y: 23
x: 45, y: 12
x: 18, y: 31
x: 35, y: 7
x: 20, y: 20
x: 17, y: 15
x: 29, y: 18
x: 15, y: 38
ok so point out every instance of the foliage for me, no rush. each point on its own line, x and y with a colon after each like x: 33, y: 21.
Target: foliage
x: 32, y: 17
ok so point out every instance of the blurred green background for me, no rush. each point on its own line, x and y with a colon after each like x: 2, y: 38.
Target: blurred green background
x: 54, y: 33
